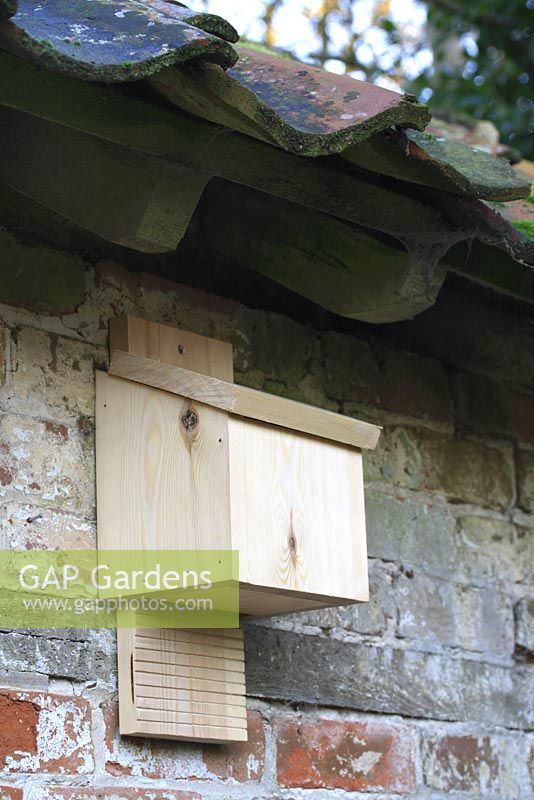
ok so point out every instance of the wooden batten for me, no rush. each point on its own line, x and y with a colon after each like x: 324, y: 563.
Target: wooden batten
x: 243, y: 401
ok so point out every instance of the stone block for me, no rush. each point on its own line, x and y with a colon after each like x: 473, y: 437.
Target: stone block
x: 411, y: 533
x: 443, y: 613
x: 462, y: 470
x: 487, y: 549
x: 293, y: 667
x: 372, y: 618
x: 489, y: 407
x: 39, y: 278
x: 524, y: 617
x: 525, y: 480
x: 392, y: 380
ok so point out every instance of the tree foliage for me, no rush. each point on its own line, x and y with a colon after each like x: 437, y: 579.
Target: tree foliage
x: 483, y: 59
x: 473, y: 58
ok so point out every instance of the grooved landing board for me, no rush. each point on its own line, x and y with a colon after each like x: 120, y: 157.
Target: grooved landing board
x: 182, y: 684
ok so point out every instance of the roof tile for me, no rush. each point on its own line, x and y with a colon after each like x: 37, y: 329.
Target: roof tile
x: 108, y: 40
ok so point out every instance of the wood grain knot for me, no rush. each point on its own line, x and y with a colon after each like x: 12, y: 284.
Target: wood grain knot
x: 292, y: 541
x: 190, y: 420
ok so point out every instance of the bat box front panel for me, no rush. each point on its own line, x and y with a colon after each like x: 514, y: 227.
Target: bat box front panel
x: 297, y: 516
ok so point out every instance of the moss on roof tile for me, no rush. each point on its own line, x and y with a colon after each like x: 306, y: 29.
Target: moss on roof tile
x: 108, y: 40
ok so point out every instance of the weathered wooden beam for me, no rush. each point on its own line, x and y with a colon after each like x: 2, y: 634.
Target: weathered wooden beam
x: 289, y: 666
x: 330, y: 262
x: 278, y: 233
x: 492, y: 268
x: 122, y: 196
x: 212, y: 152
x: 398, y: 291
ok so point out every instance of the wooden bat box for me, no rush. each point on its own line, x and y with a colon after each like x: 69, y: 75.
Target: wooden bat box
x: 187, y: 459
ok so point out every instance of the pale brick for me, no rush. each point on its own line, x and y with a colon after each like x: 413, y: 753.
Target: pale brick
x: 45, y: 464
x: 31, y: 527
x: 11, y: 793
x: 488, y: 550
x: 440, y: 612
x: 482, y: 766
x: 54, y: 376
x: 4, y: 338
x: 118, y: 793
x: 525, y: 553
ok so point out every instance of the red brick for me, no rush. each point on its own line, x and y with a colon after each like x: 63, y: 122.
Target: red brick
x: 62, y: 793
x: 44, y: 733
x: 10, y: 793
x: 322, y: 754
x: 160, y: 760
x: 18, y: 723
x: 455, y: 763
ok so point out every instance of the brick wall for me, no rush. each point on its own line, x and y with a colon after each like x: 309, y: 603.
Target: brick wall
x: 427, y: 691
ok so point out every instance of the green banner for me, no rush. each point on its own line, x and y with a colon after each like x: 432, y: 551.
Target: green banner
x: 119, y: 589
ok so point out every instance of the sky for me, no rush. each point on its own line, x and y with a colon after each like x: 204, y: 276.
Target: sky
x: 295, y: 32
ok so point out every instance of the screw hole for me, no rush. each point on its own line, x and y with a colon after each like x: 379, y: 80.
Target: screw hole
x: 181, y: 349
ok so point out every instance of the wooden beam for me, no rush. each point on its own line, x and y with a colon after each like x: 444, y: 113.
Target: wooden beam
x: 205, y: 149
x: 243, y: 401
x: 143, y: 192
x: 122, y: 196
